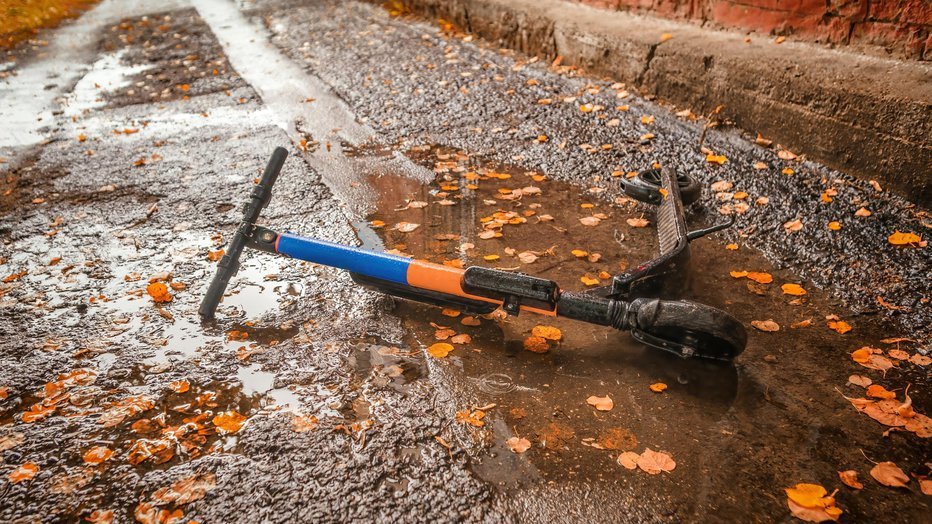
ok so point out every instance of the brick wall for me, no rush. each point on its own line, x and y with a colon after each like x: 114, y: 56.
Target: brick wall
x: 903, y: 28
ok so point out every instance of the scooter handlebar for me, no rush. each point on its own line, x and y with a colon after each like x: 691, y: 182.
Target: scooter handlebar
x: 229, y: 264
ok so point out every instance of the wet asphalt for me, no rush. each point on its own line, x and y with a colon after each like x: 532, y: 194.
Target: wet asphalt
x: 118, y: 209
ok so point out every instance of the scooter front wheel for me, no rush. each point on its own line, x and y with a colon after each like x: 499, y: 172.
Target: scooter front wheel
x: 687, y: 329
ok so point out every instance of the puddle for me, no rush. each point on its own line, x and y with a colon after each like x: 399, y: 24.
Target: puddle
x: 543, y: 396
x: 28, y: 99
x: 106, y: 75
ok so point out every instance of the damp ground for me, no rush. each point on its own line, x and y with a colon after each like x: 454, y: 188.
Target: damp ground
x: 154, y: 125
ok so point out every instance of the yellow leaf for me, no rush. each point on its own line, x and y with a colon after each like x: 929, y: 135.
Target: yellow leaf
x: 440, y: 349
x: 760, y: 278
x: 665, y: 36
x: 473, y: 418
x: 807, y: 495
x: 738, y: 274
x: 579, y: 253
x: 793, y: 289
x: 659, y: 387
x: 647, y: 119
x: 834, y: 226
x: 491, y: 258
x: 589, y: 281
x: 716, y: 159
x: 840, y: 326
x: 732, y: 247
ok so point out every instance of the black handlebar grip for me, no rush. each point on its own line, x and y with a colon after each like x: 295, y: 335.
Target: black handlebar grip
x: 229, y: 264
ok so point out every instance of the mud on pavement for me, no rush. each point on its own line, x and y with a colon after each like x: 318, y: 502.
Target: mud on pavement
x: 312, y: 399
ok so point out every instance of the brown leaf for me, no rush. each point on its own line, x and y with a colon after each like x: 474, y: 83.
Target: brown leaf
x: 547, y: 332
x: 97, y: 455
x: 766, y: 325
x: 618, y: 438
x: 888, y: 474
x: 638, y: 222
x: 303, y: 423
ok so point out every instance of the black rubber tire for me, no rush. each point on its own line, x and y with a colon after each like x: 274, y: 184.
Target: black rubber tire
x: 712, y: 332
x: 645, y: 186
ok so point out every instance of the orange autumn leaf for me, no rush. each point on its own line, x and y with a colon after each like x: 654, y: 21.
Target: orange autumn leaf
x: 878, y: 391
x: 834, y: 226
x: 23, y: 473
x: 440, y: 349
x: 159, y: 292
x: 654, y: 462
x: 738, y: 274
x: 100, y: 516
x: 601, y: 403
x: 179, y: 386
x: 462, y: 338
x: 760, y: 278
x: 731, y: 247
x: 839, y: 325
x: 659, y: 387
x: 860, y: 380
x: 536, y: 344
x: 638, y: 222
x: 850, y: 478
x: 628, y: 459
x: 97, y: 455
x: 793, y: 289
x: 37, y: 412
x: 579, y: 253
x: 900, y: 239
x: 229, y: 421
x: 473, y: 418
x: 889, y: 474
x: 452, y: 313
x: 716, y: 159
x: 214, y: 256
x: 589, y: 281
x: 547, y: 332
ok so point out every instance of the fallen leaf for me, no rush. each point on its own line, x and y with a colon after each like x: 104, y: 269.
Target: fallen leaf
x: 659, y: 387
x: 900, y: 239
x: 793, y: 289
x: 834, y: 226
x: 766, y: 325
x: 638, y: 222
x: 716, y: 159
x: 654, y: 462
x: 518, y: 445
x: 878, y: 391
x: 760, y: 278
x: 589, y: 281
x: 793, y: 225
x: 473, y: 418
x: 839, y: 325
x: 801, y: 324
x: 888, y: 474
x: 406, y: 227
x: 303, y: 423
x: 862, y: 212
x: 23, y: 473
x: 100, y: 516
x: 186, y: 490
x: 850, y: 478
x: 97, y: 455
x: 731, y: 247
x: 817, y: 514
x: 860, y: 380
x: 629, y: 459
x: 536, y: 344
x: 920, y: 360
x: 159, y: 292
x: 179, y: 386
x: 586, y: 221
x: 229, y: 422
x: 600, y: 403
x: 440, y: 349
x: 738, y: 274
x: 462, y: 338
x: 547, y: 332
x: 579, y: 253
x: 926, y: 486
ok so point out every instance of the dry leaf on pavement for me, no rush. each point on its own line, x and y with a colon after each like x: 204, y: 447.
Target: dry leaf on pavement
x: 518, y: 444
x: 888, y: 474
x: 601, y: 403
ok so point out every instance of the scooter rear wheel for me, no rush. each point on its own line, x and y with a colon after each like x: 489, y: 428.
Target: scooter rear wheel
x: 645, y: 187
x: 688, y: 329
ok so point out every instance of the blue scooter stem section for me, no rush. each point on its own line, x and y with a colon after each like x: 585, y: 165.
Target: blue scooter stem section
x: 369, y: 263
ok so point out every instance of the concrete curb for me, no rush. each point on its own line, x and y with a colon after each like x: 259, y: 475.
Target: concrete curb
x: 862, y: 115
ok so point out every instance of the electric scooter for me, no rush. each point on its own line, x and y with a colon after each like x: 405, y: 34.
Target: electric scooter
x: 630, y: 303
